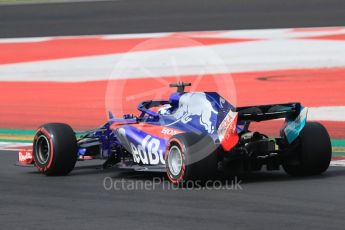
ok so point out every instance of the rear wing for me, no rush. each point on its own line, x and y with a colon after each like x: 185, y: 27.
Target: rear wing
x: 268, y: 112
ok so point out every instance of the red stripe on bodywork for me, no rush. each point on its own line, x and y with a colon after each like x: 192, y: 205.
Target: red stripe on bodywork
x: 153, y: 130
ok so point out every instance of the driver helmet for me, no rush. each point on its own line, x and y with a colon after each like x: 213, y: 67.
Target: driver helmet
x: 165, y: 110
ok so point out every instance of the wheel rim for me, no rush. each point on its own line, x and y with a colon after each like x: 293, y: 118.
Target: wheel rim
x: 175, y: 160
x: 42, y: 149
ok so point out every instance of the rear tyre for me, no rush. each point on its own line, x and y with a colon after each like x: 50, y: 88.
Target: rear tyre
x: 315, y: 152
x: 55, y: 149
x: 191, y: 158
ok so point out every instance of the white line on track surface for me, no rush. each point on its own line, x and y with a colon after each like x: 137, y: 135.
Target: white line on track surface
x: 14, y: 146
x: 327, y: 113
x: 261, y: 55
x: 339, y: 163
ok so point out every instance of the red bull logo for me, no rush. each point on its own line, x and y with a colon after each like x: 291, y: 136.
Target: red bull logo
x: 195, y: 104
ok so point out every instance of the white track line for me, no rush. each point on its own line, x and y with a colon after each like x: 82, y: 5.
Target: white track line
x: 340, y: 163
x: 14, y: 146
x: 327, y: 113
x: 231, y: 58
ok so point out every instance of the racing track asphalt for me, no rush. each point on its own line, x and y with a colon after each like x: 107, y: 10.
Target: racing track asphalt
x: 268, y: 200
x: 137, y: 16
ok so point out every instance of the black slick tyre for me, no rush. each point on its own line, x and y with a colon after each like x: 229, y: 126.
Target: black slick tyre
x: 55, y: 149
x: 314, y: 153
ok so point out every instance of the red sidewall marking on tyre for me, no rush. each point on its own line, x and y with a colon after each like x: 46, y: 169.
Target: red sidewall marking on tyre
x: 51, y: 153
x: 183, y: 149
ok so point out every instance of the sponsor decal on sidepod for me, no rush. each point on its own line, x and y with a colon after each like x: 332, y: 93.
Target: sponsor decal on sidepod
x: 148, y: 152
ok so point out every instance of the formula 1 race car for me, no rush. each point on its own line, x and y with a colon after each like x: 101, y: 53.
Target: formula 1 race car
x: 190, y: 136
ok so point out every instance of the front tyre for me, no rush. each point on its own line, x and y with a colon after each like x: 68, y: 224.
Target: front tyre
x: 191, y: 158
x: 314, y: 154
x: 55, y: 149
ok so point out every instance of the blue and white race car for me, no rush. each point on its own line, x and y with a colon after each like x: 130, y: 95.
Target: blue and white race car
x: 191, y: 136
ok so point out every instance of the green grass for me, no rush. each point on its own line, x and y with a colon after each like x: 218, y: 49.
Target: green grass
x: 21, y: 135
x: 17, y: 131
